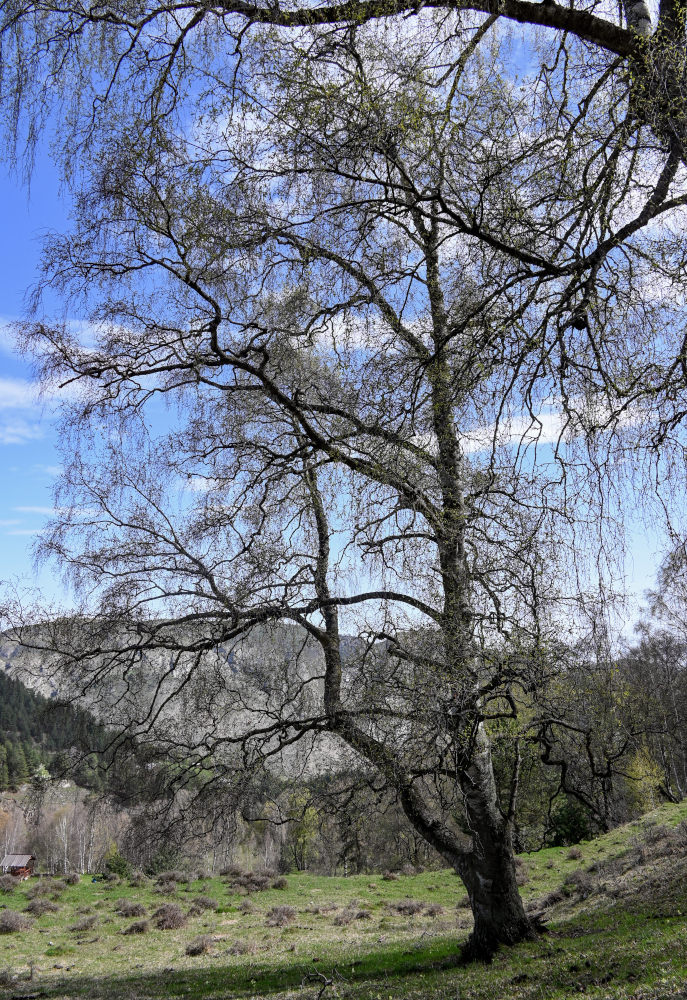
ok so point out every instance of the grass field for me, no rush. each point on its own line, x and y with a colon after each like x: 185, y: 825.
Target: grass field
x: 614, y: 907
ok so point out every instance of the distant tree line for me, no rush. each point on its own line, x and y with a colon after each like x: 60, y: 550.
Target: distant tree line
x: 36, y: 733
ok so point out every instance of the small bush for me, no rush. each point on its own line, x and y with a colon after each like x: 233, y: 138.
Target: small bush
x: 87, y: 924
x: 344, y: 918
x: 73, y: 878
x: 138, y: 927
x: 250, y: 882
x: 656, y: 833
x: 581, y: 882
x: 522, y: 875
x: 173, y: 876
x: 138, y: 880
x: 280, y: 883
x: 232, y: 871
x: 390, y: 877
x: 128, y: 908
x: 46, y: 887
x: 245, y: 906
x: 574, y: 854
x: 8, y: 883
x: 280, y: 916
x: 433, y: 909
x: 166, y: 888
x: 40, y: 906
x: 200, y: 945
x: 204, y: 903
x: 169, y: 917
x: 407, y: 907
x: 11, y: 922
x: 242, y: 948
x: 552, y: 898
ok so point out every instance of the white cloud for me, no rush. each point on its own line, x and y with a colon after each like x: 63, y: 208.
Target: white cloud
x: 24, y: 531
x: 17, y: 430
x: 48, y: 470
x: 9, y: 522
x: 48, y: 511
x: 23, y: 406
x: 17, y: 394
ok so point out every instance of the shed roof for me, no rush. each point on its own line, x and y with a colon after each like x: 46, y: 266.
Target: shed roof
x: 16, y: 860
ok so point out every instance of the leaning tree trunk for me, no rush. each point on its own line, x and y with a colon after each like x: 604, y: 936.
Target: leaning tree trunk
x: 488, y: 871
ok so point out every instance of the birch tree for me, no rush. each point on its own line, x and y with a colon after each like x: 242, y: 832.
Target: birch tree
x: 410, y: 279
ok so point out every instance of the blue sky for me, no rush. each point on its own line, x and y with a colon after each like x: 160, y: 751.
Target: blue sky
x: 28, y: 457
x: 29, y: 461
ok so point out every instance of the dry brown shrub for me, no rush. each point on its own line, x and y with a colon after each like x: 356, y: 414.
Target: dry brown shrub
x: 251, y: 882
x: 242, y: 948
x: 433, y: 909
x: 344, y: 918
x: 166, y: 888
x: 138, y: 880
x: 280, y: 883
x: 11, y: 922
x: 580, y: 882
x: 280, y: 916
x: 200, y: 945
x: 169, y: 917
x: 556, y: 896
x: 390, y: 877
x: 46, y: 887
x: 175, y: 875
x: 138, y: 927
x: 656, y: 833
x: 245, y: 906
x: 87, y: 924
x: 128, y: 908
x: 232, y: 871
x: 407, y: 907
x: 204, y: 903
x: 73, y: 878
x: 8, y: 883
x: 39, y: 906
x: 574, y: 854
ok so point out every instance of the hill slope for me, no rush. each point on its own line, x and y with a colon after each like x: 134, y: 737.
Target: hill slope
x: 614, y: 907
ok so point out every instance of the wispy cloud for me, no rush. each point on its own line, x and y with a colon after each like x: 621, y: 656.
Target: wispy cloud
x: 17, y: 394
x: 9, y: 522
x: 25, y: 409
x: 24, y: 531
x: 18, y: 430
x: 47, y: 511
x: 48, y: 470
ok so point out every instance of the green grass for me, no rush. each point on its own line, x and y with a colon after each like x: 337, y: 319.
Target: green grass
x: 626, y: 939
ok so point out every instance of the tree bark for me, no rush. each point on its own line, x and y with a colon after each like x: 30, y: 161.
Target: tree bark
x: 489, y: 871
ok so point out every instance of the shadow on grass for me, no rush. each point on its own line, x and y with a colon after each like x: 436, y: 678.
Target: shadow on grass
x: 247, y: 980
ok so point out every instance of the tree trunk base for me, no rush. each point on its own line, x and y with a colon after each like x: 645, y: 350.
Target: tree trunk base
x: 483, y: 943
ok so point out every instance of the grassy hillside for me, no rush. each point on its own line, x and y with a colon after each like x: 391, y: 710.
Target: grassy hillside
x: 614, y: 907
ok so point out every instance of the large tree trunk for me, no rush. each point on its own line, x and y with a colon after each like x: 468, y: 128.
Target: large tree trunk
x: 490, y: 878
x: 489, y: 870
